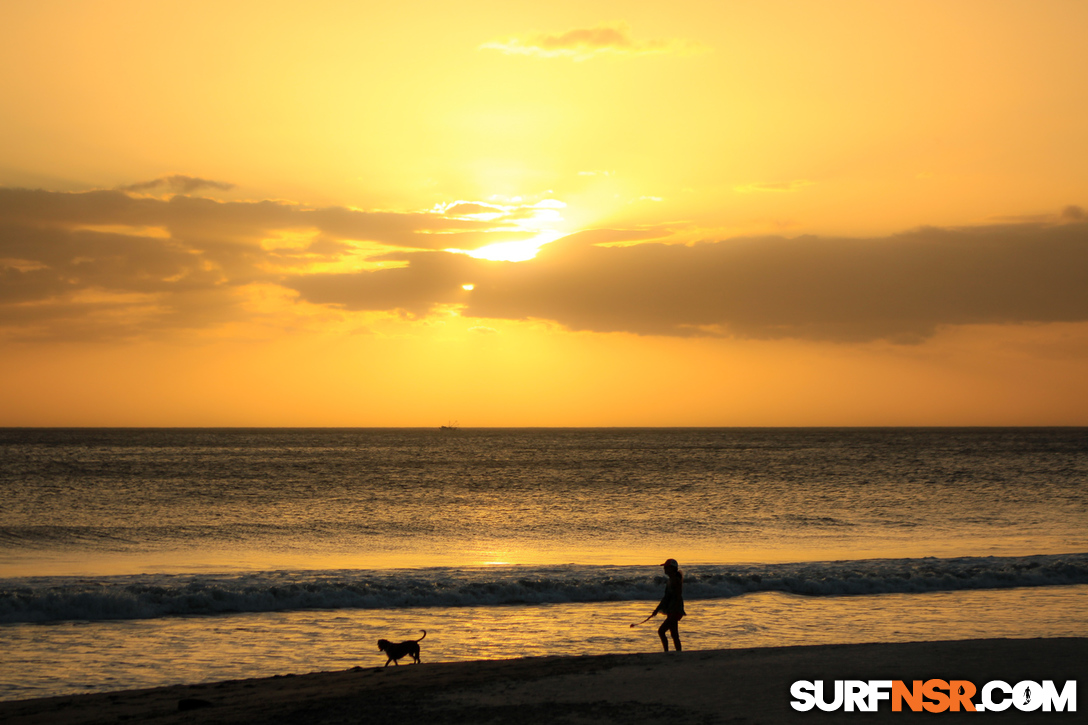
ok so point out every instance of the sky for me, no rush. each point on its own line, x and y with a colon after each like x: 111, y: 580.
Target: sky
x: 592, y: 213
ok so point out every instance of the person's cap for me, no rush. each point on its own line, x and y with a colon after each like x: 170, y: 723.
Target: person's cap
x: 672, y: 563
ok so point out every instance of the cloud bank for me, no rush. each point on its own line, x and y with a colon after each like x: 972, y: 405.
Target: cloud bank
x: 105, y: 263
x: 900, y: 288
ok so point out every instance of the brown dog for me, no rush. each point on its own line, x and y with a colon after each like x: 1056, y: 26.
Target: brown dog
x: 395, y: 650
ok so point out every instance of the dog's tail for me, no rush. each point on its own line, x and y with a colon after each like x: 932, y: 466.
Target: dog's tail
x: 424, y: 635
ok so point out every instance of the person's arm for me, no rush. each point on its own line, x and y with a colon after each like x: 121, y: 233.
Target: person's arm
x: 663, y: 605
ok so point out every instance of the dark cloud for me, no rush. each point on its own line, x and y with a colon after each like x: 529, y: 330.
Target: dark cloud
x: 432, y: 278
x: 179, y: 183
x: 75, y: 259
x: 898, y: 288
x: 110, y: 264
x: 229, y: 222
x: 1073, y: 213
x: 62, y: 259
x: 34, y: 207
x: 87, y: 285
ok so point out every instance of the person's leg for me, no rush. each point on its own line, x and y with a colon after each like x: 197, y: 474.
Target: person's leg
x: 661, y: 633
x: 675, y: 630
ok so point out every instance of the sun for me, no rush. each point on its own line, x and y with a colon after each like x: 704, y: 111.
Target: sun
x: 537, y: 221
x: 521, y: 250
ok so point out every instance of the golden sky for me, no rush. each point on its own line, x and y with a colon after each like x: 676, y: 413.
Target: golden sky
x: 566, y: 213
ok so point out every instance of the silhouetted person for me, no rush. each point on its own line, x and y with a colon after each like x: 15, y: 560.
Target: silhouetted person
x: 672, y: 605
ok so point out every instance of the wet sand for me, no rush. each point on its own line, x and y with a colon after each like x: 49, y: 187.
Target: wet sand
x: 720, y: 686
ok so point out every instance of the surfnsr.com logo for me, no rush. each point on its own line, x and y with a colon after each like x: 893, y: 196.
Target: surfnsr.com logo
x: 933, y: 696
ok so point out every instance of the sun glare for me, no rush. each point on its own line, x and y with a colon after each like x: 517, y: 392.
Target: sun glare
x: 508, y: 215
x: 518, y: 251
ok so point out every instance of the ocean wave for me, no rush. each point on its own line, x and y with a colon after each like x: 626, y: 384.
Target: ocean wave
x: 56, y: 599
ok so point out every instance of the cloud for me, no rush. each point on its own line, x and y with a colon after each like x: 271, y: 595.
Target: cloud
x: 470, y: 208
x: 584, y: 43
x: 178, y: 183
x: 71, y: 262
x: 512, y: 213
x: 104, y: 264
x: 779, y: 186
x: 1071, y: 213
x: 900, y: 288
x: 199, y: 220
x: 605, y: 237
x: 431, y: 279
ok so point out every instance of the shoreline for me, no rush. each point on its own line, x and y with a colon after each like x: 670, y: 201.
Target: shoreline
x: 701, y: 686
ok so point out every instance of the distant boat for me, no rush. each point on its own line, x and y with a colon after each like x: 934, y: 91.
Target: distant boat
x: 450, y: 426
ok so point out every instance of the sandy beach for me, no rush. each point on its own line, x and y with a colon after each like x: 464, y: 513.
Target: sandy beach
x: 741, y: 685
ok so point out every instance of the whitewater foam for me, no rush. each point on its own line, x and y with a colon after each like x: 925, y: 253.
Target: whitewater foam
x: 53, y: 599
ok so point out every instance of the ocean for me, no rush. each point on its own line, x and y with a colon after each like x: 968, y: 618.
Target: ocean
x: 142, y: 557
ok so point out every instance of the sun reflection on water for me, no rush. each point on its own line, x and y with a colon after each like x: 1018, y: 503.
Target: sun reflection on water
x: 83, y: 657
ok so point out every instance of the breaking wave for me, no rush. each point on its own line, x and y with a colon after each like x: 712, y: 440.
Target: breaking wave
x: 55, y: 599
